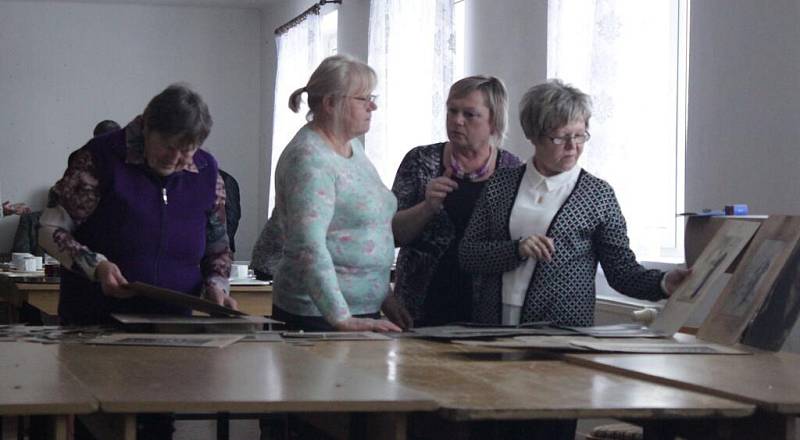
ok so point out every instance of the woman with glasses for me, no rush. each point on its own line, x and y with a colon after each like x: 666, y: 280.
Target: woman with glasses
x: 540, y: 229
x: 332, y: 212
x: 437, y: 186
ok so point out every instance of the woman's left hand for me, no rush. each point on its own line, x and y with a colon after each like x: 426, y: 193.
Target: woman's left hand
x: 674, y: 278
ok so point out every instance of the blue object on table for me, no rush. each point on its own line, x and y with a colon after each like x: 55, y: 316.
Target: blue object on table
x: 740, y: 209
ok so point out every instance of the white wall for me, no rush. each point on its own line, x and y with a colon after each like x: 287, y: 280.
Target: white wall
x: 508, y: 39
x: 64, y: 66
x: 744, y: 117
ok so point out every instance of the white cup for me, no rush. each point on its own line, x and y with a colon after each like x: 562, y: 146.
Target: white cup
x: 239, y: 271
x: 29, y: 264
x: 18, y: 260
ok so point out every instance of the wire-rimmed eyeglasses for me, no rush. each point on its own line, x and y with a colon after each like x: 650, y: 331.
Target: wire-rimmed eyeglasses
x: 366, y: 99
x: 576, y: 139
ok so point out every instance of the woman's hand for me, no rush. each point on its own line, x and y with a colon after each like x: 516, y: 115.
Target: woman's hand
x: 15, y: 208
x: 111, y: 280
x: 437, y: 190
x: 354, y: 324
x: 217, y: 295
x: 394, y: 309
x: 674, y: 278
x: 537, y: 246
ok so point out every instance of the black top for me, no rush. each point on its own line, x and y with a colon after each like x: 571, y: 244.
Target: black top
x: 449, y: 296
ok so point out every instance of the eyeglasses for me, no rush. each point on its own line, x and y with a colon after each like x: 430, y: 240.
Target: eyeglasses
x: 577, y: 139
x: 369, y: 98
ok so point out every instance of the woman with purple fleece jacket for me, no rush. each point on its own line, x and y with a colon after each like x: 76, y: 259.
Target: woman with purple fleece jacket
x: 143, y: 203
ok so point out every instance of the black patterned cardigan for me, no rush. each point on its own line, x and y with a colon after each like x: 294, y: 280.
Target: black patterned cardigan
x: 587, y: 229
x: 417, y: 261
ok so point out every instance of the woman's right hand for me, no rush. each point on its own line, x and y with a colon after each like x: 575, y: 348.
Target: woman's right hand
x: 437, y: 190
x: 111, y: 280
x: 354, y: 324
x: 537, y: 246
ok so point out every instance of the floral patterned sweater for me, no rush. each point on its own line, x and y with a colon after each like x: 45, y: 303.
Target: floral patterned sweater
x: 334, y: 215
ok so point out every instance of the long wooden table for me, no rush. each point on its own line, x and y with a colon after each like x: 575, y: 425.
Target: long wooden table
x: 383, y: 381
x: 33, y: 382
x: 42, y: 294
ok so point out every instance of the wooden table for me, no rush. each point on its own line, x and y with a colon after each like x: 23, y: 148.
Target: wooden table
x: 33, y: 382
x: 241, y: 378
x: 768, y: 380
x: 472, y: 384
x: 42, y: 293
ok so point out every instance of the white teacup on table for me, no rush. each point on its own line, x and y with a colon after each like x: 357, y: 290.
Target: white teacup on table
x: 239, y: 271
x: 18, y: 260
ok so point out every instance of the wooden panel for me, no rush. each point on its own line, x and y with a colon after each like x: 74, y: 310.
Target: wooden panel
x: 33, y: 382
x: 755, y: 277
x: 244, y: 377
x: 473, y: 383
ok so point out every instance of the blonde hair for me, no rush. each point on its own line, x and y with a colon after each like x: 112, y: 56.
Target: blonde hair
x: 494, y: 96
x: 336, y: 76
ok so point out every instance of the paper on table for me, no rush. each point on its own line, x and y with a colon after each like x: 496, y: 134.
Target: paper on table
x: 178, y: 340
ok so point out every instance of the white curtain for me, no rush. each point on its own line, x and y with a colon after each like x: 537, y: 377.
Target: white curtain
x: 411, y: 46
x: 300, y: 50
x: 625, y: 55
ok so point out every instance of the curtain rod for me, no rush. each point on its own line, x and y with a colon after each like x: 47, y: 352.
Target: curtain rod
x: 282, y: 29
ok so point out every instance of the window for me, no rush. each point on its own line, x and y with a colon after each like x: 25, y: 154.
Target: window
x: 631, y: 57
x: 301, y: 48
x: 459, y: 29
x: 411, y: 49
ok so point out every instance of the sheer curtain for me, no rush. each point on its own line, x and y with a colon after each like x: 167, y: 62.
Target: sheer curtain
x: 300, y: 50
x: 411, y: 46
x: 626, y: 56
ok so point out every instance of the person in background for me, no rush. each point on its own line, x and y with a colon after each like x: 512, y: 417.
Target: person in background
x: 267, y: 250
x: 540, y: 229
x: 233, y: 208
x: 140, y: 204
x: 104, y: 127
x: 436, y: 187
x: 332, y: 209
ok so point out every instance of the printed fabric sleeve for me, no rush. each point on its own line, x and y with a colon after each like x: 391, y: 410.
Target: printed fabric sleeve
x: 621, y: 269
x: 409, y: 184
x: 71, y: 201
x: 216, y: 262
x: 308, y: 189
x: 482, y: 250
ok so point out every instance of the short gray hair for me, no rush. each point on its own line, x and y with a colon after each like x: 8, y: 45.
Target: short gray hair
x: 179, y: 111
x: 495, y: 97
x: 337, y: 75
x: 551, y: 105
